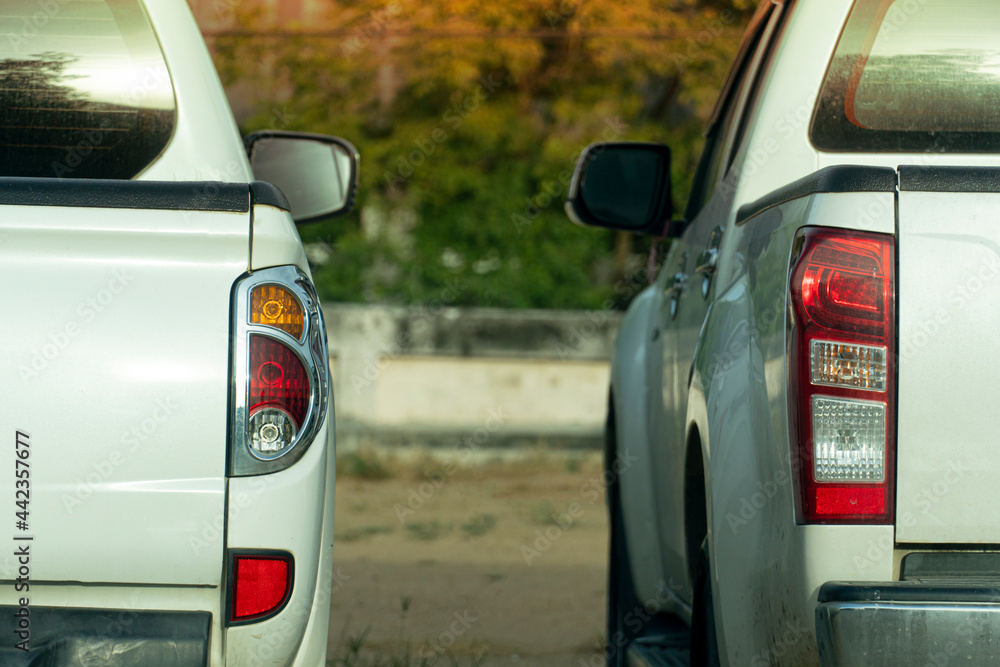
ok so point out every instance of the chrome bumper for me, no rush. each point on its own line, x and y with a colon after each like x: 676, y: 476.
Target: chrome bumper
x: 908, y: 623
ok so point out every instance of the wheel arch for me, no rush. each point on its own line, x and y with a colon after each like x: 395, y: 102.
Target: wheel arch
x: 632, y: 386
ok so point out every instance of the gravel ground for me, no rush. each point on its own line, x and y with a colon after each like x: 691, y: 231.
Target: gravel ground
x: 495, y: 564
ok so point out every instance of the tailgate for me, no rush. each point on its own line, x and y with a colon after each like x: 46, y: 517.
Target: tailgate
x: 948, y: 449
x: 116, y: 363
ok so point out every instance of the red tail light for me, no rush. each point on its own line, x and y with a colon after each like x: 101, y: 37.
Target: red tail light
x: 280, y: 370
x: 260, y: 585
x: 842, y: 376
x: 277, y: 379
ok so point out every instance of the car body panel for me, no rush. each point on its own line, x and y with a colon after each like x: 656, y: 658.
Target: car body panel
x: 632, y: 390
x: 766, y: 569
x: 947, y: 466
x: 724, y: 367
x: 118, y: 353
x: 258, y: 518
x: 206, y: 145
x: 134, y: 463
x: 276, y: 241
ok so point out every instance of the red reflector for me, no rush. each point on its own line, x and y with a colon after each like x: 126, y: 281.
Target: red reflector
x: 843, y: 501
x: 260, y: 585
x: 277, y: 378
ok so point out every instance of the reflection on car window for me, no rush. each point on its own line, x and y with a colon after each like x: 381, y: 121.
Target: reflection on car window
x: 84, y: 90
x: 914, y: 76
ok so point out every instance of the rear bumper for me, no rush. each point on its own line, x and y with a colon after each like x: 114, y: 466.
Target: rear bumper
x: 908, y: 623
x: 107, y: 637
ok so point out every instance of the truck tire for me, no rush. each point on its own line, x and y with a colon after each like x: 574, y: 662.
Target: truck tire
x: 622, y: 599
x: 704, y: 643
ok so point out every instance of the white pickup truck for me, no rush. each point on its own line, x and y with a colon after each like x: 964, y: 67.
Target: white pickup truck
x: 167, y: 423
x: 803, y: 452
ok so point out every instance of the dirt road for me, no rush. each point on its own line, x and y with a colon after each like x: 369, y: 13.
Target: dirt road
x: 500, y: 564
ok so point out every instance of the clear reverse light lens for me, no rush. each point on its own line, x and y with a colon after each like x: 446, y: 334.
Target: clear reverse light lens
x: 848, y: 365
x: 848, y: 440
x: 271, y: 431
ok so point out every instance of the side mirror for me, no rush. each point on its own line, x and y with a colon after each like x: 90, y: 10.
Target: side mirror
x: 622, y: 185
x: 318, y: 174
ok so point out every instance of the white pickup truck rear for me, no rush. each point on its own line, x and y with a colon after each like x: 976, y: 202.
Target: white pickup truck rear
x: 806, y: 385
x: 167, y: 419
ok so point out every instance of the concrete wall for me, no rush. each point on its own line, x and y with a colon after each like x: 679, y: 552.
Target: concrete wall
x: 495, y: 378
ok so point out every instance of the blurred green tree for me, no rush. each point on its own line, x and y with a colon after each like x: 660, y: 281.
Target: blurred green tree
x: 469, y: 115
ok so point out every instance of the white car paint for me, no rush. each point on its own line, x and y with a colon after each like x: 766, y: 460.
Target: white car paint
x: 206, y: 145
x: 116, y: 343
x: 766, y: 570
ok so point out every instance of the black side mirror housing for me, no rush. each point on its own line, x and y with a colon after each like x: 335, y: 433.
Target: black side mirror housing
x: 318, y: 174
x: 624, y: 186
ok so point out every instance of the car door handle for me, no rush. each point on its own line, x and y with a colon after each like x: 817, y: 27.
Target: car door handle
x: 709, y: 257
x: 678, y: 285
x: 707, y: 261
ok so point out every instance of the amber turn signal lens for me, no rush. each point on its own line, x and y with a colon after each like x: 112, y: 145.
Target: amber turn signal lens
x: 276, y: 307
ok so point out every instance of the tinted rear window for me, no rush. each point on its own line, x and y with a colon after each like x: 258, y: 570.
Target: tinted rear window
x: 914, y: 75
x: 84, y: 89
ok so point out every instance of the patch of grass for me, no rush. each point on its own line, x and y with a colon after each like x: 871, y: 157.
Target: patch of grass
x: 479, y: 525
x: 541, y: 512
x: 356, y: 534
x: 427, y: 530
x: 355, y: 659
x: 355, y: 655
x: 365, y: 464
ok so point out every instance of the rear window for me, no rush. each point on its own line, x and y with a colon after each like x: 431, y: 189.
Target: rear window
x: 84, y: 89
x: 913, y: 76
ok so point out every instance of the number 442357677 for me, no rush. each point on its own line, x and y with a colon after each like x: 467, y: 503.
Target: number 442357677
x: 21, y: 471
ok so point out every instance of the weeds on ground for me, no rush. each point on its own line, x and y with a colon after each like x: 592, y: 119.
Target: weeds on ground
x: 356, y: 534
x: 427, y: 530
x: 479, y: 525
x: 354, y: 645
x: 366, y: 464
x: 542, y: 512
